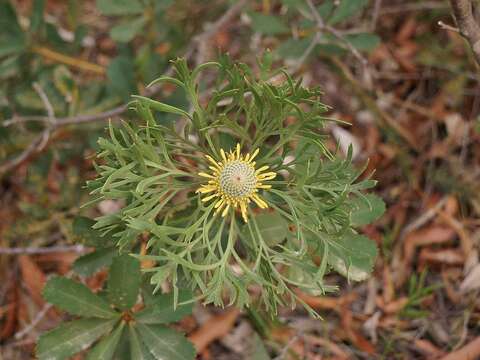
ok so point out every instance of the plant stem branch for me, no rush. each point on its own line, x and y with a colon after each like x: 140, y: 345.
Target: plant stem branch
x: 52, y: 123
x: 470, y: 30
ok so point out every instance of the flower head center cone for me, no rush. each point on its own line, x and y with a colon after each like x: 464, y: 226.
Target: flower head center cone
x: 235, y: 182
x: 238, y: 179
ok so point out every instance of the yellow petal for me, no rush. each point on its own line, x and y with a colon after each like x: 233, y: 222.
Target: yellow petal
x: 209, y: 197
x: 209, y: 158
x: 206, y: 189
x: 223, y: 155
x: 255, y: 153
x: 238, y: 151
x: 243, y: 208
x: 206, y: 175
x: 261, y: 204
x: 219, y: 204
x: 266, y: 176
x: 262, y: 186
x: 225, y: 211
x: 259, y: 170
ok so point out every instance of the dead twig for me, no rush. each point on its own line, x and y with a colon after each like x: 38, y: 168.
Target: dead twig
x: 468, y: 27
x: 52, y: 123
x: 41, y: 141
x: 40, y: 315
x: 322, y: 26
x: 43, y: 250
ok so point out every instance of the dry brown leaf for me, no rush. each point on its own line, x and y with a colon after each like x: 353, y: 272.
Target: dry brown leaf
x: 471, y: 351
x: 285, y: 336
x: 354, y: 336
x: 407, y: 30
x: 465, y: 240
x: 10, y: 322
x: 395, y: 306
x: 214, y: 328
x: 442, y: 256
x: 325, y: 302
x: 423, y: 237
x: 336, y: 350
x: 472, y: 280
x: 427, y: 348
x: 33, y: 278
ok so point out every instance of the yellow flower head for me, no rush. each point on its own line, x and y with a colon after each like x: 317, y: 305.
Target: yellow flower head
x: 234, y: 182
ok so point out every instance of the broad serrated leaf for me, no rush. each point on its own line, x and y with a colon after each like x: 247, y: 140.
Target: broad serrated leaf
x: 268, y: 24
x: 119, y: 7
x: 165, y: 343
x: 12, y: 38
x: 160, y: 309
x: 121, y: 76
x: 346, y: 9
x: 89, y: 264
x: 365, y: 211
x: 122, y: 352
x: 70, y: 338
x: 124, y: 281
x: 82, y: 228
x: 363, y: 41
x: 36, y: 18
x: 353, y: 256
x: 105, y: 349
x: 293, y: 48
x: 76, y: 299
x: 126, y: 31
x: 138, y: 351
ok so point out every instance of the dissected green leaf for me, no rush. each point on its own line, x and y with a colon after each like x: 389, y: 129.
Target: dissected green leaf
x: 364, y: 212
x: 165, y: 343
x: 346, y: 9
x: 138, y: 351
x: 126, y: 31
x: 160, y: 309
x: 124, y: 281
x: 119, y: 7
x: 89, y: 264
x: 76, y: 298
x: 268, y: 24
x: 353, y: 256
x: 105, y: 349
x: 71, y: 337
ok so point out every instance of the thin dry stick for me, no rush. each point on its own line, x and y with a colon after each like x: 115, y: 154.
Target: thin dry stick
x: 323, y: 27
x: 40, y: 141
x: 413, y: 6
x: 42, y: 250
x: 40, y: 315
x: 470, y: 30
